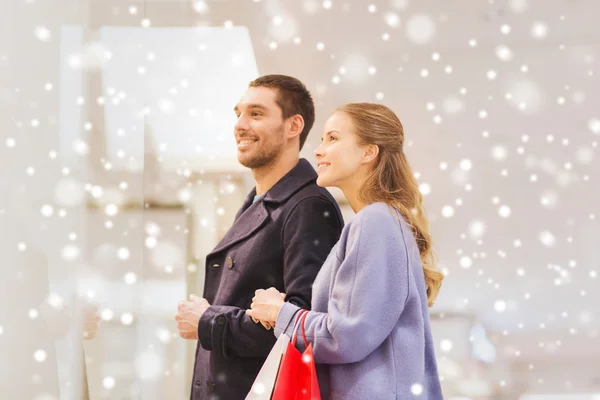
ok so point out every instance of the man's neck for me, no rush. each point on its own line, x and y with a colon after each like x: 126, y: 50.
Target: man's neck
x: 266, y: 177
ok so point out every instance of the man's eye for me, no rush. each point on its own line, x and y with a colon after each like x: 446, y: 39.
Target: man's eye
x: 256, y: 114
x: 332, y: 138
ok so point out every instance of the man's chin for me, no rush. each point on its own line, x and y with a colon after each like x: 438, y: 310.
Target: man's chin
x: 250, y: 162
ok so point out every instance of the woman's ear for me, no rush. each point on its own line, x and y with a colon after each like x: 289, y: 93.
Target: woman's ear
x: 371, y: 153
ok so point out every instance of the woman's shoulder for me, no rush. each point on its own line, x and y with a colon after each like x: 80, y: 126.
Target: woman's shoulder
x: 377, y: 209
x: 372, y: 219
x: 378, y: 213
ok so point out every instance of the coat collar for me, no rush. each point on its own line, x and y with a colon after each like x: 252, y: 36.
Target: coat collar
x: 298, y: 177
x: 251, y: 217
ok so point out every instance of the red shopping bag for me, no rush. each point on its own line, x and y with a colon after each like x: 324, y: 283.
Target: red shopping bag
x: 297, y: 378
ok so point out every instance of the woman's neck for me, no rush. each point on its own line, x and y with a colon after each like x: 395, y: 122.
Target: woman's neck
x: 352, y: 195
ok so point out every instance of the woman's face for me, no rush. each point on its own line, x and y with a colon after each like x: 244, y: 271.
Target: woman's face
x: 339, y: 155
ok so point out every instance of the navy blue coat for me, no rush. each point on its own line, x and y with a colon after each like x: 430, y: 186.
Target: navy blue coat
x: 282, y: 242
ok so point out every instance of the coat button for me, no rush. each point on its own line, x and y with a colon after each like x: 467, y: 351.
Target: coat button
x: 210, y: 386
x: 221, y: 320
x: 229, y: 262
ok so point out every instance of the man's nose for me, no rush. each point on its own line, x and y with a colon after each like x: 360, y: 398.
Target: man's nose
x: 241, y: 124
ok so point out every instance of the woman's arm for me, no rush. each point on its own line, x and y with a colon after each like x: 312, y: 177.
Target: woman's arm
x: 369, y: 292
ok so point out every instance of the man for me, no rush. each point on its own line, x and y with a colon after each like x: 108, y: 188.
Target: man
x: 280, y: 238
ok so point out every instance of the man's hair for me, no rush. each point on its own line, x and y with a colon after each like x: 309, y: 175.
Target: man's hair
x: 292, y: 97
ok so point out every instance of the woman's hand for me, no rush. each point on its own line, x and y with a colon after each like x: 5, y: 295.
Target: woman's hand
x: 265, y: 306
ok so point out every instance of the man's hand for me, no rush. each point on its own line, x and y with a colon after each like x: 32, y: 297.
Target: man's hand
x: 188, y: 316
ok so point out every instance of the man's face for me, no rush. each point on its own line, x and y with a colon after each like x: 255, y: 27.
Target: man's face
x: 259, y: 130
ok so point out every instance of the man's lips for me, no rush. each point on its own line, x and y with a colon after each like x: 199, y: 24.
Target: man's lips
x: 246, y: 142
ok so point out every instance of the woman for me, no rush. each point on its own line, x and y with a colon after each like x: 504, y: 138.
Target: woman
x: 369, y: 323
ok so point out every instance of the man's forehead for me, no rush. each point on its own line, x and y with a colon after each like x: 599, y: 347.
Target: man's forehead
x: 259, y: 95
x: 264, y: 98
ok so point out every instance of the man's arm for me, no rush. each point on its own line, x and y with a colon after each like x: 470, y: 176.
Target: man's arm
x: 310, y: 231
x: 309, y: 234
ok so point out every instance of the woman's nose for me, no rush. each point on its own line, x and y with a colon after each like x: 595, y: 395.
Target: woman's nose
x: 318, y: 152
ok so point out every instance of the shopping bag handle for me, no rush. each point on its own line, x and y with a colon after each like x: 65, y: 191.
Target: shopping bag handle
x: 297, y: 325
x: 300, y: 322
x: 291, y: 319
x: 304, y: 333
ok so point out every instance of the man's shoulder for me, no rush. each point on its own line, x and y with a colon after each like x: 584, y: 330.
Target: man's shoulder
x: 312, y: 192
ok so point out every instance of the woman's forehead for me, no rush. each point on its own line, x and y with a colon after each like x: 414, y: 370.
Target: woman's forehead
x: 339, y: 121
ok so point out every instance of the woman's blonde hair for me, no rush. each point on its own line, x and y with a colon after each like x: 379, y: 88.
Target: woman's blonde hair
x: 392, y: 180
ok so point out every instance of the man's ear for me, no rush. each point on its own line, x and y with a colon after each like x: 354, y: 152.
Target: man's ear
x: 296, y: 125
x: 370, y: 153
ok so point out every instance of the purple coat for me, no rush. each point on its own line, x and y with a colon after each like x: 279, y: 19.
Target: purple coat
x: 282, y: 242
x: 369, y: 323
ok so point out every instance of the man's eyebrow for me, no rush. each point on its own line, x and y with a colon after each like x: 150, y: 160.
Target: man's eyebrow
x: 260, y: 106
x: 256, y: 106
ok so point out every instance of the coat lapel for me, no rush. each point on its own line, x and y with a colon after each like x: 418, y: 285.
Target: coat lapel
x: 245, y: 225
x: 251, y: 217
x: 247, y: 203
